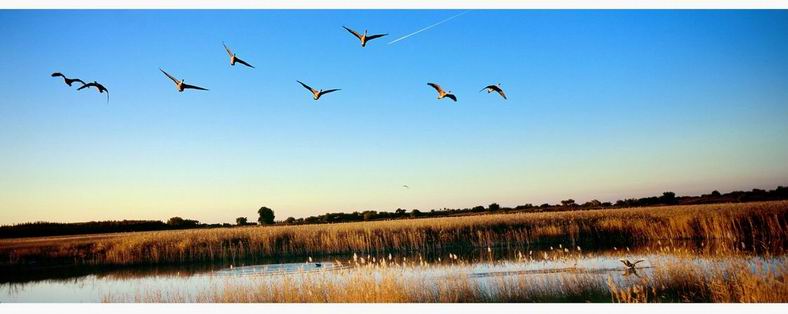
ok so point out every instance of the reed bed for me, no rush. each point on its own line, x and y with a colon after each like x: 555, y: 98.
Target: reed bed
x: 758, y: 226
x: 669, y: 278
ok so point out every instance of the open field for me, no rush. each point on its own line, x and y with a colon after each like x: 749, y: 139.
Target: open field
x: 761, y: 226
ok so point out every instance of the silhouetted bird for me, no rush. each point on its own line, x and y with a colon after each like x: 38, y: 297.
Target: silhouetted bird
x: 317, y: 93
x: 180, y: 85
x: 406, y: 186
x: 234, y: 59
x: 99, y: 87
x: 67, y: 80
x: 442, y: 93
x: 495, y: 88
x: 630, y: 264
x: 364, y: 38
x: 318, y: 265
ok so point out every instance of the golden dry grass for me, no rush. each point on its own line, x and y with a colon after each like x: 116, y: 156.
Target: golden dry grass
x: 675, y: 278
x: 761, y: 226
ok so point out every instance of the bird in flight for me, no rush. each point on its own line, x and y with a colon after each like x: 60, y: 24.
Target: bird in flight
x: 67, y: 80
x: 364, y: 38
x: 629, y: 264
x: 495, y: 88
x: 234, y: 59
x: 406, y: 186
x: 99, y: 87
x: 180, y: 85
x: 442, y: 93
x: 317, y: 93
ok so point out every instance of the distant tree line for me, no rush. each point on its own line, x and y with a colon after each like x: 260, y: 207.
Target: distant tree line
x: 266, y: 215
x: 667, y: 198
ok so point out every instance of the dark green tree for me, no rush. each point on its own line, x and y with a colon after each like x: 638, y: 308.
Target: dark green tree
x: 241, y: 221
x: 266, y: 216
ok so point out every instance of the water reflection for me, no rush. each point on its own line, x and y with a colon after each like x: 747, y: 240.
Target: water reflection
x: 92, y: 284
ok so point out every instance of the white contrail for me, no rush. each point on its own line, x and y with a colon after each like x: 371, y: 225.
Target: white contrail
x: 428, y: 27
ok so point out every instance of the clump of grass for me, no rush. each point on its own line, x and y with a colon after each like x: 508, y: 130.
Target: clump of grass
x: 755, y: 226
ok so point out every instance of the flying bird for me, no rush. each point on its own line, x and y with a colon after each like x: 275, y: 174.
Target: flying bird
x: 180, y: 85
x: 629, y: 264
x: 495, y: 88
x: 317, y: 93
x: 234, y: 59
x: 364, y: 38
x: 67, y: 80
x: 99, y: 87
x: 406, y: 186
x: 442, y: 93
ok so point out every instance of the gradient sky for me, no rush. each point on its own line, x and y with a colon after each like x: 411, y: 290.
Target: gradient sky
x: 603, y: 104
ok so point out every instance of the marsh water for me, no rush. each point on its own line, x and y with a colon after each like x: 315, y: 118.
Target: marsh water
x: 179, y: 283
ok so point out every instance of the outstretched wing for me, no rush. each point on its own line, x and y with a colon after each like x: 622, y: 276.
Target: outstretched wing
x: 436, y: 87
x: 353, y: 32
x: 56, y: 74
x: 185, y: 86
x: 170, y: 76
x: 371, y: 37
x: 77, y: 80
x: 452, y: 97
x: 500, y: 92
x: 243, y: 62
x: 306, y: 86
x: 85, y: 86
x: 486, y: 88
x: 635, y: 263
x: 230, y: 53
x: 329, y: 91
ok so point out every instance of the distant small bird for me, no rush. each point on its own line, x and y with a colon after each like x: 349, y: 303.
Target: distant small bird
x: 495, y: 88
x: 318, y: 265
x: 442, y: 93
x: 180, y: 85
x: 406, y: 186
x: 99, y: 87
x: 234, y: 59
x: 630, y: 264
x: 317, y: 93
x: 364, y: 38
x: 67, y: 80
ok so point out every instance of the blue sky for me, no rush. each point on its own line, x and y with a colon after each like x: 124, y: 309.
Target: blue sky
x: 602, y: 104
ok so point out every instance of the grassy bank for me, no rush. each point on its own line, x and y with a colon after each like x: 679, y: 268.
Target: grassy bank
x: 759, y: 226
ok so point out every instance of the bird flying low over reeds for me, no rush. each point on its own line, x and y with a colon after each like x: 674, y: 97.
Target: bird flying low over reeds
x: 180, y: 85
x: 364, y: 38
x: 495, y: 88
x: 99, y: 87
x: 317, y: 93
x: 234, y: 58
x: 442, y: 93
x: 68, y: 81
x: 629, y: 264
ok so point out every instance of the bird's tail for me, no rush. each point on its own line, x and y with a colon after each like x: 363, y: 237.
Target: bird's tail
x: 107, y: 96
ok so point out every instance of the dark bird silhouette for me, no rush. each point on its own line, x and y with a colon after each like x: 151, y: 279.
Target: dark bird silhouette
x: 180, y: 85
x: 364, y: 38
x: 99, y: 87
x: 234, y: 59
x: 317, y: 93
x: 318, y: 265
x: 406, y: 186
x: 629, y: 264
x: 495, y: 88
x: 442, y: 93
x: 67, y: 80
